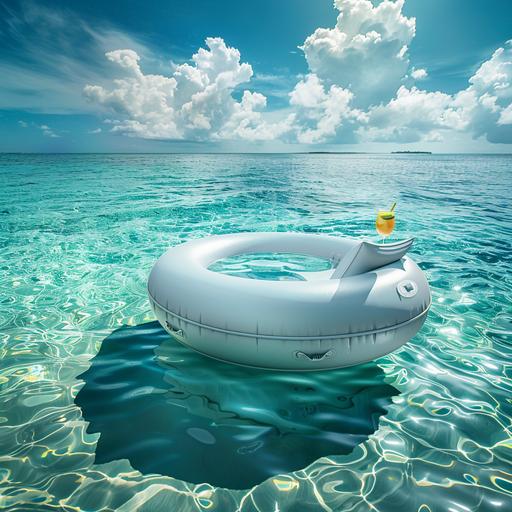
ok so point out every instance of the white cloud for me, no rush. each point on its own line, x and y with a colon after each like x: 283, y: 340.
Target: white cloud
x: 365, y: 52
x: 320, y: 112
x: 359, y: 88
x: 411, y: 116
x: 482, y: 109
x: 505, y: 116
x: 246, y: 122
x: 23, y: 124
x: 419, y: 74
x: 95, y: 131
x: 485, y: 106
x: 195, y: 102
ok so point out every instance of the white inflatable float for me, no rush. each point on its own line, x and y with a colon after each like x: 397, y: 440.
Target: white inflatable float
x: 371, y: 302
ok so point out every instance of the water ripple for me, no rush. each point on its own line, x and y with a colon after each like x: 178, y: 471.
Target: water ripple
x: 79, y: 234
x: 171, y: 411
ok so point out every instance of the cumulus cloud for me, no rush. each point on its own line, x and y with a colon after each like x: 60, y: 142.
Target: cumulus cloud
x: 366, y: 52
x: 505, y: 116
x: 195, y: 102
x: 359, y: 88
x: 485, y: 106
x: 419, y: 74
x: 482, y: 109
x: 246, y: 121
x: 411, y: 116
x: 320, y: 111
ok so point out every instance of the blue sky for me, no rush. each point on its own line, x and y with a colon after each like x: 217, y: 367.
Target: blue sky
x: 292, y: 75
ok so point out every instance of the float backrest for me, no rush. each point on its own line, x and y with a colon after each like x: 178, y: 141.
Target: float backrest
x: 367, y: 256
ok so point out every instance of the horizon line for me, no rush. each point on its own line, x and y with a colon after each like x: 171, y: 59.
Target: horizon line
x: 313, y: 153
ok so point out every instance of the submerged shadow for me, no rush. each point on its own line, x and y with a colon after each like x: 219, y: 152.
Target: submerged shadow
x: 172, y: 411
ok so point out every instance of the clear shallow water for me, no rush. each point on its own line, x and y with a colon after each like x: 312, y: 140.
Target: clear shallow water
x: 202, y: 420
x: 80, y: 233
x: 270, y: 266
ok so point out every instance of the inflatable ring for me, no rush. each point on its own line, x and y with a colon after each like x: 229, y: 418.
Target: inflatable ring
x: 371, y: 302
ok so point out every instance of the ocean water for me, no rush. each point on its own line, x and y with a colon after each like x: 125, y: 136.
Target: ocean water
x: 193, y: 412
x: 86, y: 373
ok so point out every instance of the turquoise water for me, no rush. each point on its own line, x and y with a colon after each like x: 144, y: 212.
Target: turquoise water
x: 79, y: 235
x: 270, y: 266
x: 192, y: 412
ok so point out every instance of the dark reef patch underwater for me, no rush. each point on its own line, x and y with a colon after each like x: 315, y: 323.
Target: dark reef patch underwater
x: 172, y: 411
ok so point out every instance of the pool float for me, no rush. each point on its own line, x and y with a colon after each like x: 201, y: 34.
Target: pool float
x: 372, y: 301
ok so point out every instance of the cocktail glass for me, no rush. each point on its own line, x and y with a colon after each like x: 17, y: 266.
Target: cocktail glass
x: 385, y: 222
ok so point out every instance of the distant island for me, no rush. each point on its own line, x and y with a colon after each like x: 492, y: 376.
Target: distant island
x: 411, y: 152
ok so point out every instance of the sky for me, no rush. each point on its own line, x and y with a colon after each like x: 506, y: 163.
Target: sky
x: 231, y: 75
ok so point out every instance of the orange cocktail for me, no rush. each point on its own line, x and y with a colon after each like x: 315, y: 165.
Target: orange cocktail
x: 385, y: 222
